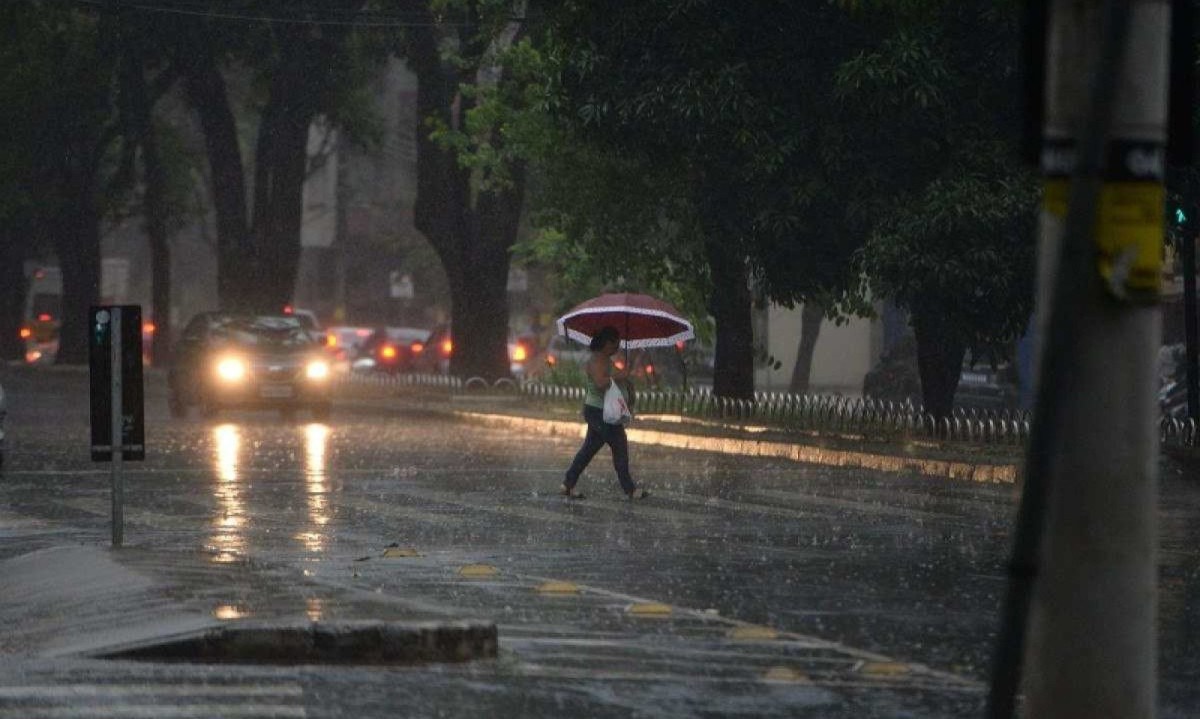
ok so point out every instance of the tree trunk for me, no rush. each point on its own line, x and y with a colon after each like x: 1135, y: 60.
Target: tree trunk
x: 939, y: 363
x: 207, y: 92
x: 154, y: 203
x: 811, y: 317
x: 472, y: 238
x: 731, y: 305
x: 77, y: 243
x: 279, y: 206
x: 12, y: 295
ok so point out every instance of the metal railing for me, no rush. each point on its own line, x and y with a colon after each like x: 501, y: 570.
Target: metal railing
x: 807, y: 413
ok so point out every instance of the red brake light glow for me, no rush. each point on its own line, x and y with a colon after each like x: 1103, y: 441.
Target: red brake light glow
x: 417, y: 348
x: 44, y: 317
x: 287, y: 309
x: 148, y: 328
x: 26, y: 333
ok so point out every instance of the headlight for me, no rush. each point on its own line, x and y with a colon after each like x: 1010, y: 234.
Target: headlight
x: 231, y: 369
x: 317, y: 369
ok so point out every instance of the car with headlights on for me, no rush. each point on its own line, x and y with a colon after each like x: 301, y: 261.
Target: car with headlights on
x: 233, y: 361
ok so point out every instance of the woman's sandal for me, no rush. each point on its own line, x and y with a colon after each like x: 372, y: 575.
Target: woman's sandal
x: 570, y: 493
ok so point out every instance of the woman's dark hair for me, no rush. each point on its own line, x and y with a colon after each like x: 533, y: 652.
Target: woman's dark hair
x: 604, y: 336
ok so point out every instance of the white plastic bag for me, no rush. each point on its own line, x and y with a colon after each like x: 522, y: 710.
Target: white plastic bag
x: 616, y: 409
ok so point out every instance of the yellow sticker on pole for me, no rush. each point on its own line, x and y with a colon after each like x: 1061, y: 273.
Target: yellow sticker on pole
x: 1129, y: 236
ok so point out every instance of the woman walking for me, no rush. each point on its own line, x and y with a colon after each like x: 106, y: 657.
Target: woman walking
x: 599, y: 433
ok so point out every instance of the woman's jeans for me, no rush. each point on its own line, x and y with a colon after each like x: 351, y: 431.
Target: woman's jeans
x: 600, y: 433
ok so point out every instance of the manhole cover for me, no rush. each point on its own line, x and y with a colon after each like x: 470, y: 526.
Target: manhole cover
x: 321, y: 643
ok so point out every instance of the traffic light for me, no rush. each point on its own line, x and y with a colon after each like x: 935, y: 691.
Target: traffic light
x: 1181, y: 219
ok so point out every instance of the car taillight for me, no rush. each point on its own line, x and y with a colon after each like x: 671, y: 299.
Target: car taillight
x: 649, y: 369
x: 387, y: 352
x: 44, y: 317
x: 417, y: 348
x: 25, y: 333
x: 331, y: 340
x: 520, y: 354
x: 148, y: 328
x: 447, y: 347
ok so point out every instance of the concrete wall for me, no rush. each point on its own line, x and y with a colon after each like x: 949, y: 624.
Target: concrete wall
x: 844, y: 353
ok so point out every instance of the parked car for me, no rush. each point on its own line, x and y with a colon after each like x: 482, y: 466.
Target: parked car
x: 391, y: 349
x: 561, y: 351
x: 439, y: 347
x: 987, y: 385
x: 226, y: 361
x: 344, y: 344
x: 308, y: 321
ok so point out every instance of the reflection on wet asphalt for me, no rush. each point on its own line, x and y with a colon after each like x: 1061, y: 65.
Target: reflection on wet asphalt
x: 742, y: 587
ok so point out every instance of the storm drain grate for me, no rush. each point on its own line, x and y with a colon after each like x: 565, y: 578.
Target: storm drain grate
x: 372, y: 643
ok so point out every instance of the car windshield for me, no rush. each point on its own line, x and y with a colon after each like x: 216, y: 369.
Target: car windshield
x: 262, y: 332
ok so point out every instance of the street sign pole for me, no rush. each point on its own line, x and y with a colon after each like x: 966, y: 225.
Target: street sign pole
x: 117, y: 400
x: 118, y: 435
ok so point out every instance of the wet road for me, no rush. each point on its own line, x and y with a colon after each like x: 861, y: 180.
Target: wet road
x: 742, y: 587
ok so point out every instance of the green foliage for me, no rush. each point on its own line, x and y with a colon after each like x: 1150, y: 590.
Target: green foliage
x: 963, y: 249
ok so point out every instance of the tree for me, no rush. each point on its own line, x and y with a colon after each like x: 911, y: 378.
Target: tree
x: 59, y: 68
x: 932, y: 166
x: 960, y: 259
x: 136, y: 106
x: 310, y: 67
x: 732, y: 106
x: 472, y: 225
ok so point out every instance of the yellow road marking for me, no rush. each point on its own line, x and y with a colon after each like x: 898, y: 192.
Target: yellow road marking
x: 555, y: 587
x: 478, y: 570
x: 649, y: 609
x: 785, y: 674
x: 752, y: 633
x: 883, y: 669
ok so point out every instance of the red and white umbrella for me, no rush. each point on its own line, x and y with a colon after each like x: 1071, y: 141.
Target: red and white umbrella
x: 642, y: 321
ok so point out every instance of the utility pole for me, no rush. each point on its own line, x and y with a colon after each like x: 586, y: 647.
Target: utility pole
x: 1091, y: 647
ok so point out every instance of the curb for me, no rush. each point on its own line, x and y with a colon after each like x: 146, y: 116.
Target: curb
x: 366, y: 642
x: 808, y: 454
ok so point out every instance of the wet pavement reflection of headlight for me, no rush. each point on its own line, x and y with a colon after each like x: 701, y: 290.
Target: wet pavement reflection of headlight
x: 316, y: 438
x: 231, y: 517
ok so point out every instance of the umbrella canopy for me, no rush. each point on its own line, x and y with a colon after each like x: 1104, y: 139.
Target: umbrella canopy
x: 642, y: 320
